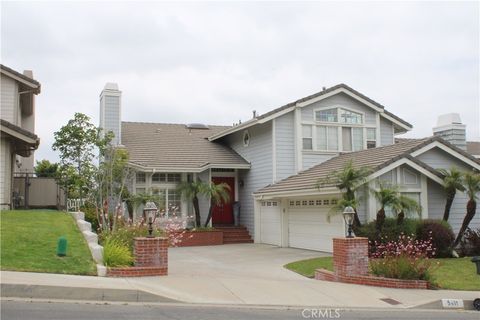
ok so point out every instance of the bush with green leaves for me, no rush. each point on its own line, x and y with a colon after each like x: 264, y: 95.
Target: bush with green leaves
x: 125, y: 233
x: 390, y: 230
x: 90, y: 215
x: 441, y: 234
x: 116, y: 254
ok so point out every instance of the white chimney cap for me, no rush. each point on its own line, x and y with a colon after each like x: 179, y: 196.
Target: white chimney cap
x: 448, y: 119
x: 111, y: 86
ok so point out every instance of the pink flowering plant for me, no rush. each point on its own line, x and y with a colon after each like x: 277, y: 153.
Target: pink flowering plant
x: 404, y: 258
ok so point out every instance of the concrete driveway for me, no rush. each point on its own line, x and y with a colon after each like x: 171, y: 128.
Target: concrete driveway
x: 237, y: 260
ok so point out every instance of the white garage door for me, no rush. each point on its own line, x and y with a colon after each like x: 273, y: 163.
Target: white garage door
x: 308, y: 226
x: 270, y: 227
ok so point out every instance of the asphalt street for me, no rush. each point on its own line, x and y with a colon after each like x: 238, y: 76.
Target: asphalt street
x: 54, y: 310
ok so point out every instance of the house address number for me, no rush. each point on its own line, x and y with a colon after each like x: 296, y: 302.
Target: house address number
x: 452, y: 303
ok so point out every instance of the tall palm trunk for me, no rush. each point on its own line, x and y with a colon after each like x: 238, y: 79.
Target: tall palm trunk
x: 471, y: 210
x: 356, y: 221
x: 209, y: 216
x: 380, y: 220
x: 400, y: 217
x: 448, y: 205
x: 196, y: 208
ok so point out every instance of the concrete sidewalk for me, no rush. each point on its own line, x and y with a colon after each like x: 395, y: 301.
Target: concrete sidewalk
x: 241, y: 274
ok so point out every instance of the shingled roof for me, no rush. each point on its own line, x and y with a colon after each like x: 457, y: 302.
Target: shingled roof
x: 175, y: 147
x: 307, y: 98
x: 32, y: 82
x: 473, y: 147
x: 375, y: 159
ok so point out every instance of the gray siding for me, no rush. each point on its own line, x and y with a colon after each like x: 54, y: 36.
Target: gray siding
x: 386, y: 132
x: 342, y: 100
x: 259, y: 154
x: 438, y: 158
x: 9, y: 100
x: 311, y: 159
x: 285, y: 146
x: 362, y: 196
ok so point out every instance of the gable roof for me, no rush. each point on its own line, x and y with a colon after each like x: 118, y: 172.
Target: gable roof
x: 34, y: 84
x: 375, y: 159
x: 324, y: 93
x: 175, y: 148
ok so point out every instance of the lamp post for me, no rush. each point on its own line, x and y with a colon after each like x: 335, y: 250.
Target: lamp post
x: 150, y: 211
x: 348, y: 214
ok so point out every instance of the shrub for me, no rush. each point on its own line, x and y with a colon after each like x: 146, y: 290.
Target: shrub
x: 125, y: 233
x: 116, y: 254
x: 90, y: 215
x: 441, y: 234
x: 405, y: 258
x: 390, y: 231
x: 470, y: 244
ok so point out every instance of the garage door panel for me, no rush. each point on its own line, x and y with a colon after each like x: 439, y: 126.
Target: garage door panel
x: 309, y: 228
x: 270, y: 225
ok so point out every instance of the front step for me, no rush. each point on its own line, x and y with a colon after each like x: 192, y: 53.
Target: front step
x: 235, y: 234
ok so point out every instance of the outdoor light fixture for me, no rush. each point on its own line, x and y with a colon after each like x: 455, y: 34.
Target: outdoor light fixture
x: 150, y: 211
x: 348, y: 214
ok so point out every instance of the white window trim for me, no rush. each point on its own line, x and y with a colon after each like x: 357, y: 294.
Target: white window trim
x: 338, y: 107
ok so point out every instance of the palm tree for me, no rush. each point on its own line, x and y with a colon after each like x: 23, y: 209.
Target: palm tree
x: 348, y: 180
x: 217, y: 193
x: 405, y: 204
x: 472, y: 186
x: 388, y: 196
x: 191, y: 190
x: 452, y: 182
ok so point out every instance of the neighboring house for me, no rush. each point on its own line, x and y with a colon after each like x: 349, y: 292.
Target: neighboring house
x: 272, y: 162
x: 17, y: 125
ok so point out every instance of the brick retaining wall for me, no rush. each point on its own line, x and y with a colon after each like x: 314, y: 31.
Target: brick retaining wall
x: 201, y: 238
x: 151, y: 259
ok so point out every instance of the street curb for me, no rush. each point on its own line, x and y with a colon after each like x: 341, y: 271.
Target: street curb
x: 79, y: 293
x: 437, y: 305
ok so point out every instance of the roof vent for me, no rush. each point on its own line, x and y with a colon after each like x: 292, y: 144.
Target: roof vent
x: 197, y: 126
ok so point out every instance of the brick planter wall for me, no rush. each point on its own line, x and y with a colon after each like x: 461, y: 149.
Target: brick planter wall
x: 321, y: 274
x: 350, y: 256
x: 350, y: 265
x: 201, y: 238
x: 151, y: 259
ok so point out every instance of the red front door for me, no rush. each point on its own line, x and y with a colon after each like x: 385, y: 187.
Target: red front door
x: 223, y: 213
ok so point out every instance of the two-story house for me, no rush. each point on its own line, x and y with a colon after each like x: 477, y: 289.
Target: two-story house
x: 273, y: 161
x: 17, y: 126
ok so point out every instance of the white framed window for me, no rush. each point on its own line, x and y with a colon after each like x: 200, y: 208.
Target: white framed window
x: 246, y: 138
x: 350, y: 117
x: 371, y: 138
x: 409, y: 178
x: 307, y: 137
x: 327, y: 115
x: 327, y: 138
x: 140, y: 177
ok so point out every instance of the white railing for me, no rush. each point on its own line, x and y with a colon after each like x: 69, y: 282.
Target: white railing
x: 75, y: 204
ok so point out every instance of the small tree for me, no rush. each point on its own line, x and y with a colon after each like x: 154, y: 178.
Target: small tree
x: 472, y: 187
x: 347, y: 180
x: 76, y: 142
x: 191, y: 190
x: 218, y: 193
x: 387, y: 195
x: 452, y: 181
x: 46, y: 169
x: 405, y: 204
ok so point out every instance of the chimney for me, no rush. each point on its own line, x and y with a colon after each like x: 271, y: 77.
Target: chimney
x: 450, y: 128
x: 110, y: 111
x: 28, y: 73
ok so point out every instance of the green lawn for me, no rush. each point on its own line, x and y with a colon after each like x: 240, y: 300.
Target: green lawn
x: 29, y: 242
x: 456, y: 274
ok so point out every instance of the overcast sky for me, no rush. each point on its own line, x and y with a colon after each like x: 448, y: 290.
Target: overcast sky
x: 216, y: 62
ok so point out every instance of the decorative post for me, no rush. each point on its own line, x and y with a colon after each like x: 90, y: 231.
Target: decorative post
x: 350, y: 256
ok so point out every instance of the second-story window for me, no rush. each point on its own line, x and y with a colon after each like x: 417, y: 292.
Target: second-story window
x: 371, y: 138
x: 140, y: 177
x: 307, y: 140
